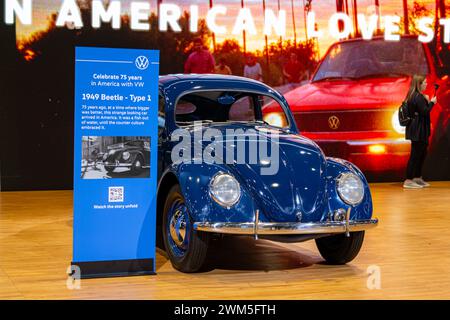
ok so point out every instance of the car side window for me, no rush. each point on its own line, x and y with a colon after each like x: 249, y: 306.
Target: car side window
x: 273, y: 112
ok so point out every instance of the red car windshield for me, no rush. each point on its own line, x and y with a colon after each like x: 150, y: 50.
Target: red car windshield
x: 375, y: 58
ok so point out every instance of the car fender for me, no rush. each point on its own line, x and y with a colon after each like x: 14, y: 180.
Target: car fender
x: 194, y: 180
x: 335, y: 167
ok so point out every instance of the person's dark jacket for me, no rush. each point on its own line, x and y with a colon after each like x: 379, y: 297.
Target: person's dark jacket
x: 419, y: 128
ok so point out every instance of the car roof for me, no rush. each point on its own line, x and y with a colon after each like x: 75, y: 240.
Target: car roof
x: 166, y: 81
x: 405, y: 36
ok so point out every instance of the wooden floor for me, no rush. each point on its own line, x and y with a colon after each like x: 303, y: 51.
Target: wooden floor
x: 411, y: 248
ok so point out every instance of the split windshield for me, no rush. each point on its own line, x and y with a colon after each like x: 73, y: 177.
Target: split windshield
x: 376, y: 58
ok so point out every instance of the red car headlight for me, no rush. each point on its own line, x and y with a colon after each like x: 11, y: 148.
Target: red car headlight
x: 276, y: 119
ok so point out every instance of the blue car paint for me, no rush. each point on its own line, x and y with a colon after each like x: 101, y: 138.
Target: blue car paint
x: 304, y: 187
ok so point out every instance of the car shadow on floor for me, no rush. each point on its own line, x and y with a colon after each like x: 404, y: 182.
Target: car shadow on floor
x: 145, y: 173
x: 244, y: 253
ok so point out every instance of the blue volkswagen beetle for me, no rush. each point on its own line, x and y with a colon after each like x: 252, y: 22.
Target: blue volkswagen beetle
x: 231, y: 161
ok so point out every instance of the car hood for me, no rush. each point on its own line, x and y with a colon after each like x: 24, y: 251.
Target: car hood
x: 291, y: 188
x: 349, y: 94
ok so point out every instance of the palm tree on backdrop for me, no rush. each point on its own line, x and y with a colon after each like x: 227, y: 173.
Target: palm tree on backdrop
x: 293, y: 23
x: 265, y: 36
x: 355, y: 17
x: 436, y: 16
x: 281, y: 38
x: 213, y: 35
x: 158, y: 3
x: 377, y: 12
x: 243, y: 31
x: 340, y: 8
x: 440, y: 14
x: 306, y: 9
x: 405, y: 16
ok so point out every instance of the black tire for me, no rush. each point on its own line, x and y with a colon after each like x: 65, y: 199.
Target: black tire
x: 340, y: 249
x: 196, y: 252
x: 109, y: 169
x: 135, y: 168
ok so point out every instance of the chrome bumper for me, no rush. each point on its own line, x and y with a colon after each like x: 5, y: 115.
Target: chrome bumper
x: 286, y: 228
x: 117, y: 164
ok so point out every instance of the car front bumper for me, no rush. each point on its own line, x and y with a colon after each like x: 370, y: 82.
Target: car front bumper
x: 286, y: 228
x: 117, y: 164
x: 373, y: 155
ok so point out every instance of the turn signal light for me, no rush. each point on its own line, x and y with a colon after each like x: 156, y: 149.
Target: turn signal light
x: 377, y: 149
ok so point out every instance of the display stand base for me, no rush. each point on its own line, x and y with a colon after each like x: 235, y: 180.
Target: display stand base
x: 115, y: 268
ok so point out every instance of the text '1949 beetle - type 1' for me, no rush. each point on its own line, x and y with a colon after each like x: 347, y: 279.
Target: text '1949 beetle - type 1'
x: 231, y: 161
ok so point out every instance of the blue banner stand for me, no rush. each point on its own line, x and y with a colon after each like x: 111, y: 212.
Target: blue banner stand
x: 115, y: 162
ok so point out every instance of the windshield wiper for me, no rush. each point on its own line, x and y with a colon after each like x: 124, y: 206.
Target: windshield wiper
x: 191, y: 123
x: 334, y: 78
x: 262, y: 121
x: 384, y: 74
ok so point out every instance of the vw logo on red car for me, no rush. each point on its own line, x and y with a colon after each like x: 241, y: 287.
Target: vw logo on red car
x: 333, y: 122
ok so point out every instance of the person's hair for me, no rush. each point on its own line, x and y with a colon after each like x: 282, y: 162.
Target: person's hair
x: 416, y: 82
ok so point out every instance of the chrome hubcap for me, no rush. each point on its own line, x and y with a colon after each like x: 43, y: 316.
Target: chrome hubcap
x: 178, y: 227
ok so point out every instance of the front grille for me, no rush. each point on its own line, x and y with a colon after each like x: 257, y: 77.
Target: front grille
x: 348, y: 120
x: 334, y: 149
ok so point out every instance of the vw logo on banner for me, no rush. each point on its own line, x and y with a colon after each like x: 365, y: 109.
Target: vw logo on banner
x: 141, y: 62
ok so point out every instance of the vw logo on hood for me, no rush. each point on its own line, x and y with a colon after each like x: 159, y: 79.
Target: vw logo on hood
x: 141, y: 62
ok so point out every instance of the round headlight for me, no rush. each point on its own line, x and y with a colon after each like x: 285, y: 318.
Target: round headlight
x: 126, y: 155
x: 225, y: 189
x: 350, y: 188
x: 396, y: 124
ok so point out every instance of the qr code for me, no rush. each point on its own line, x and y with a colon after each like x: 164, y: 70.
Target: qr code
x: 115, y: 194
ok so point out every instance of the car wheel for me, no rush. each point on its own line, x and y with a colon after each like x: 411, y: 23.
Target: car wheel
x: 109, y: 169
x: 136, y: 168
x: 340, y: 249
x: 185, y: 247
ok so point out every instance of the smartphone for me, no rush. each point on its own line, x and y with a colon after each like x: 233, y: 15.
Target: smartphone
x: 436, y: 87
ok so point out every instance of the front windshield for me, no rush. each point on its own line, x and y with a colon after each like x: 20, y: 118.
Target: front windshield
x: 134, y: 143
x: 359, y: 59
x: 227, y: 106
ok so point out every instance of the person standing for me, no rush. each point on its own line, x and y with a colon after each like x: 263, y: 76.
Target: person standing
x: 418, y: 131
x: 222, y: 67
x: 292, y: 70
x: 201, y: 60
x: 253, y: 69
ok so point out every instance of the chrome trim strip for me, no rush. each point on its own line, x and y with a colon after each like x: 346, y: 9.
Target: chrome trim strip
x: 286, y: 228
x: 256, y: 224
x: 370, y: 142
x: 117, y: 165
x: 347, y: 221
